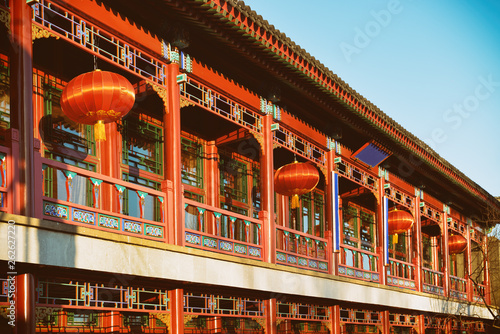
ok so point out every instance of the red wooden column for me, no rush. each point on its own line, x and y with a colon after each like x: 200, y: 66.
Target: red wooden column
x: 386, y: 325
x: 382, y: 269
x: 335, y: 319
x: 446, y: 255
x: 176, y: 311
x: 212, y: 183
x: 417, y: 230
x: 267, y: 179
x: 448, y: 325
x: 468, y: 266
x: 25, y: 304
x: 333, y: 227
x: 214, y: 324
x: 487, y: 282
x: 421, y: 323
x: 21, y: 85
x: 271, y: 311
x: 113, y: 321
x: 172, y: 158
x: 110, y: 160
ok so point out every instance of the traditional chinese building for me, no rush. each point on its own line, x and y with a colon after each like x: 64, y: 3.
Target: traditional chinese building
x: 172, y: 224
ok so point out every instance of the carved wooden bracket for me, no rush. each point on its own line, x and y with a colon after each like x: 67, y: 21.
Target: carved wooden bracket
x: 162, y: 93
x: 186, y: 103
x: 163, y: 317
x: 259, y: 138
x: 43, y: 312
x: 262, y: 322
x: 189, y: 317
x: 5, y: 19
x: 37, y: 32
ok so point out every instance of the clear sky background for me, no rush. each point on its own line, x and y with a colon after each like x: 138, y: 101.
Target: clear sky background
x: 432, y: 66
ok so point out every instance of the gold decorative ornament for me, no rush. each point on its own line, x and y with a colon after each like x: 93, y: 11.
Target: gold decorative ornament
x: 189, y: 317
x: 258, y: 137
x: 37, y: 32
x: 261, y: 322
x: 5, y: 18
x: 163, y: 317
x: 186, y: 103
x: 41, y: 313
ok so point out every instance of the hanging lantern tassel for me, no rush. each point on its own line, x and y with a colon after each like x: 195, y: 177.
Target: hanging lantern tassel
x: 295, y: 201
x: 394, y: 239
x: 99, y: 131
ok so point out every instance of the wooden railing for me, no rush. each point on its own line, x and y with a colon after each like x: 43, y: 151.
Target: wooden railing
x: 433, y: 281
x: 77, y: 196
x: 298, y: 249
x: 360, y: 264
x: 479, y: 293
x: 401, y: 274
x: 458, y: 287
x: 210, y: 228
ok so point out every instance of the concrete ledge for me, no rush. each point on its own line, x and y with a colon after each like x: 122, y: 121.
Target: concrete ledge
x: 63, y: 245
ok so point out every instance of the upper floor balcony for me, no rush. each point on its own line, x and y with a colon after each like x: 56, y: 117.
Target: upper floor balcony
x: 123, y: 186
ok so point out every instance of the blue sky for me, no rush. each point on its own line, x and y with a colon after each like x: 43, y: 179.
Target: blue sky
x: 433, y: 66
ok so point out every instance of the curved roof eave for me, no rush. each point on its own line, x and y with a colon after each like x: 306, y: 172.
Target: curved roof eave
x: 237, y: 13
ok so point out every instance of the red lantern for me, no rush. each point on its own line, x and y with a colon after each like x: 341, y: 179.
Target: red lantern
x: 456, y: 244
x: 399, y: 221
x: 97, y: 97
x: 295, y: 179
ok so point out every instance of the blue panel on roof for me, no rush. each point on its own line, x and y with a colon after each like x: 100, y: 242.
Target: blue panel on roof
x: 371, y: 155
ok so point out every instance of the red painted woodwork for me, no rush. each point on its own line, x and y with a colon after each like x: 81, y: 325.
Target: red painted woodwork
x: 267, y: 194
x: 329, y: 209
x: 112, y: 22
x: 177, y: 311
x: 97, y: 97
x: 399, y: 221
x: 457, y: 244
x: 295, y: 179
x: 172, y: 148
x: 271, y: 307
x: 306, y: 130
x: 25, y: 304
x: 208, y: 76
x: 21, y: 85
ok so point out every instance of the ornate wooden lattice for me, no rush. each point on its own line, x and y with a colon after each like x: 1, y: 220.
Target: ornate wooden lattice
x: 96, y: 296
x: 360, y: 321
x: 207, y: 304
x: 399, y: 197
x: 429, y: 212
x: 299, y: 145
x: 355, y: 174
x: 221, y: 105
x: 302, y: 311
x: 407, y: 320
x: 73, y: 28
x: 435, y: 322
x: 348, y: 315
x: 457, y: 226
